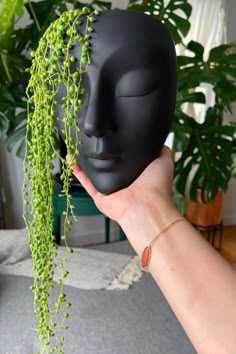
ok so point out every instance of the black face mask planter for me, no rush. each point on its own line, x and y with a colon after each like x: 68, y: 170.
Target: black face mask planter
x: 130, y: 97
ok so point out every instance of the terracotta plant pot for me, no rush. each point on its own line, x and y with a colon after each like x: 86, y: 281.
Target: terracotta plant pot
x: 205, y: 214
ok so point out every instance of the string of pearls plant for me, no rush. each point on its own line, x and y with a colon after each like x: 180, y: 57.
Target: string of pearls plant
x: 51, y: 69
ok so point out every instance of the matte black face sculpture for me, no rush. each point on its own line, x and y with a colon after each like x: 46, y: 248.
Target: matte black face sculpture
x: 130, y: 99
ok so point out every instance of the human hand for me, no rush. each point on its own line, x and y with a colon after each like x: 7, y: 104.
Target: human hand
x: 152, y: 186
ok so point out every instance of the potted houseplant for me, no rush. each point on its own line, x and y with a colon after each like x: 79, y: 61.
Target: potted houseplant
x: 16, y: 44
x: 45, y: 78
x: 207, y: 148
x: 51, y: 68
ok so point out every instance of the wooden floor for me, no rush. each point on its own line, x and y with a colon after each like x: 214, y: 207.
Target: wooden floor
x: 228, y: 243
x: 228, y: 247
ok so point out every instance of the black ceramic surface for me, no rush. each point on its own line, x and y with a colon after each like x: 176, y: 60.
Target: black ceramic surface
x: 130, y: 97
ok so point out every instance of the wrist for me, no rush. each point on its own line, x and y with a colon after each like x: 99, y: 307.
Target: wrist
x: 142, y: 222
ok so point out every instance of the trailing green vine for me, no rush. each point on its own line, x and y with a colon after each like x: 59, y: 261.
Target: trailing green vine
x: 53, y: 67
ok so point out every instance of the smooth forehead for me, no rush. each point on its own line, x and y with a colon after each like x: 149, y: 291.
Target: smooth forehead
x: 131, y: 37
x: 125, y: 26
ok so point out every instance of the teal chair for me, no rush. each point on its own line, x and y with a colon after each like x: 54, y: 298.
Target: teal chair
x: 83, y: 206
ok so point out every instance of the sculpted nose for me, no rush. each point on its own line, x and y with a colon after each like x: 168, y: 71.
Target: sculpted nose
x: 97, y: 120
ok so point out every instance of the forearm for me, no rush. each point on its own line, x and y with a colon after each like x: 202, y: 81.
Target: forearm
x: 197, y: 282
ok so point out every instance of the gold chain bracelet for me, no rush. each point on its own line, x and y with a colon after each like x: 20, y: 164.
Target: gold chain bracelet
x: 146, y: 254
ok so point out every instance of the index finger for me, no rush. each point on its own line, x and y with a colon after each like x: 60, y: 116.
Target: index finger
x: 84, y: 180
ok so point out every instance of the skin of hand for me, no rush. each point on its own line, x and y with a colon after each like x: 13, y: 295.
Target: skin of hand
x: 156, y: 179
x: 203, y: 296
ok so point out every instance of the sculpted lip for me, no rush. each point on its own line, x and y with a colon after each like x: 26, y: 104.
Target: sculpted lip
x: 104, y: 156
x: 104, y: 161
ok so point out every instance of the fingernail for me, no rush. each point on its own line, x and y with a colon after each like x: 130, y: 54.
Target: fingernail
x: 77, y: 168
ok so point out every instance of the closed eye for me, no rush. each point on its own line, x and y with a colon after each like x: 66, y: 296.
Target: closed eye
x: 140, y: 95
x: 135, y: 83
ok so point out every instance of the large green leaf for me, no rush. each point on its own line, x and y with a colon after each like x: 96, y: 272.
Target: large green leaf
x: 218, y: 70
x: 8, y: 11
x: 12, y: 115
x: 169, y: 14
x: 218, y: 53
x: 182, y: 130
x: 6, y: 98
x: 14, y: 60
x: 16, y: 141
x: 185, y: 96
x: 208, y: 156
x: 181, y: 125
x: 4, y: 124
x: 226, y: 90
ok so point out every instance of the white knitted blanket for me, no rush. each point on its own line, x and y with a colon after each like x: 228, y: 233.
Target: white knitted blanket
x: 88, y: 268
